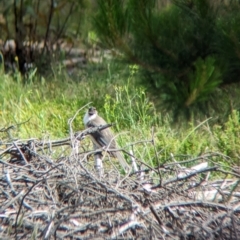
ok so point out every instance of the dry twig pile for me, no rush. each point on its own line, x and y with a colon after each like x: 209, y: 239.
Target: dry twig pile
x: 47, y: 197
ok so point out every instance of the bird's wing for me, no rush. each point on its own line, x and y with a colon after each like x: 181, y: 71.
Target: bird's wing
x: 102, y: 138
x: 105, y: 138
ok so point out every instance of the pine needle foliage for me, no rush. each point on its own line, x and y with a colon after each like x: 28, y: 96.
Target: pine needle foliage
x: 178, y: 47
x: 227, y: 42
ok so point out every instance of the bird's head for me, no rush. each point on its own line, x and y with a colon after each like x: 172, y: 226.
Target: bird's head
x: 90, y: 115
x: 92, y: 111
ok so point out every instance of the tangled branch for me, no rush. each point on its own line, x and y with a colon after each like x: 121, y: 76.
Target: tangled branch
x: 57, y: 194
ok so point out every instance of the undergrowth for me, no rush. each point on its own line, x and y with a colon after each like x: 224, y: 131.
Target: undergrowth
x: 42, y: 107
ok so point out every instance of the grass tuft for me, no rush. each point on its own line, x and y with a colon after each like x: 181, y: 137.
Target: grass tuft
x: 44, y: 106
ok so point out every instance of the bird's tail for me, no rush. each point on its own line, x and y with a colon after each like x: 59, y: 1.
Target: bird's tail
x: 122, y: 161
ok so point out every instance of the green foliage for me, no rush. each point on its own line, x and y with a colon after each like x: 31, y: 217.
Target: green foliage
x: 203, y: 81
x: 228, y: 136
x: 180, y: 48
x: 111, y: 23
x: 135, y: 108
x: 134, y: 105
x: 48, y: 104
x: 227, y: 42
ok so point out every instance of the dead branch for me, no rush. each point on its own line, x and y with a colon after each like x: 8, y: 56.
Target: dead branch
x: 47, y: 197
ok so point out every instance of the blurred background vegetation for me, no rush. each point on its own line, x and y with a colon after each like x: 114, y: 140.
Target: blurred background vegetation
x: 172, y: 65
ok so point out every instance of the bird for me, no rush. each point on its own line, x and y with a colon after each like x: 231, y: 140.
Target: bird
x: 103, y: 138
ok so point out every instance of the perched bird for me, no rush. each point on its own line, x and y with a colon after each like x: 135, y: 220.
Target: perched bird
x: 103, y: 138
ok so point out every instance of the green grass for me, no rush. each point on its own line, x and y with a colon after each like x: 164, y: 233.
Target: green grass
x: 48, y: 104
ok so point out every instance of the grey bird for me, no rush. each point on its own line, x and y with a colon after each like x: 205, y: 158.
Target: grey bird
x: 104, y: 138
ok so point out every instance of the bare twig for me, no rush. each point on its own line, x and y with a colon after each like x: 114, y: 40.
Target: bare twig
x: 51, y: 197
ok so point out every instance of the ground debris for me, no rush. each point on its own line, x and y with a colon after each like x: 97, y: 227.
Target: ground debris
x: 47, y: 197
